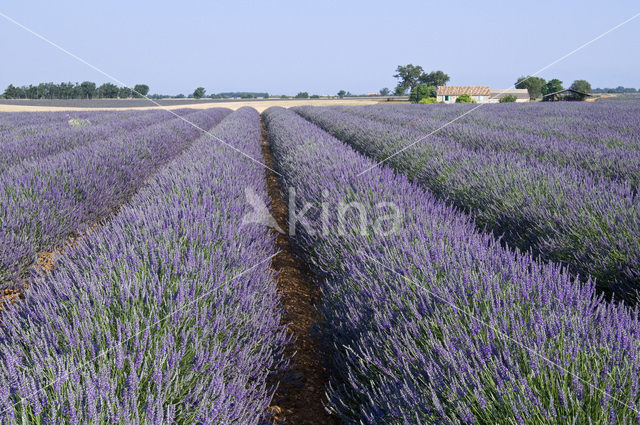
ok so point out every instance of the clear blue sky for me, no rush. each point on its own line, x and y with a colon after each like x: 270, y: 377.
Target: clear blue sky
x: 319, y: 47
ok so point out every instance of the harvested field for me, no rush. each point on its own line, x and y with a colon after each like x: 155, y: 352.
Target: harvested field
x: 124, y: 104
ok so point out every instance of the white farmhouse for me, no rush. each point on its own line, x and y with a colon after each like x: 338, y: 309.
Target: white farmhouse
x: 480, y: 94
x: 449, y: 94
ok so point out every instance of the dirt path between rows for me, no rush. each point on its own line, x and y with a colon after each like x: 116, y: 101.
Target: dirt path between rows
x: 300, y: 396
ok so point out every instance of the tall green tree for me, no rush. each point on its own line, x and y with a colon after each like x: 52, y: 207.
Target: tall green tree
x: 385, y: 91
x: 408, y: 77
x: 88, y: 89
x: 49, y: 91
x: 31, y: 92
x: 302, y: 95
x: 13, y: 92
x: 435, y: 78
x: 140, y: 90
x: 43, y: 91
x: 66, y: 90
x: 341, y: 94
x: 108, y: 90
x: 124, y: 93
x: 535, y: 85
x: 554, y: 86
x: 199, y: 92
x: 421, y: 91
x: 581, y: 86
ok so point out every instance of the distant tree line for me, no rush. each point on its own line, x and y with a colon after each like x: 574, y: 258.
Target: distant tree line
x: 618, y: 89
x: 89, y: 90
x: 383, y: 92
x: 69, y: 90
x: 200, y: 93
x: 240, y: 94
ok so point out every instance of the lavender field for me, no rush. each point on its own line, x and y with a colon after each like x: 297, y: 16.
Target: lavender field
x: 559, y: 181
x: 485, y: 274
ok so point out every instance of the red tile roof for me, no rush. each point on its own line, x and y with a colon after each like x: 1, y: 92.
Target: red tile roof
x: 458, y: 90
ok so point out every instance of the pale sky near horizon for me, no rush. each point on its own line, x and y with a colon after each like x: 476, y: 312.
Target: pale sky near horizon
x: 319, y: 47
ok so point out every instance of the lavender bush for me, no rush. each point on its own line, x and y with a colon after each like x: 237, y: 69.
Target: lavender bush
x: 609, y: 124
x: 10, y: 121
x: 605, y: 155
x: 562, y: 213
x: 45, y: 201
x: 33, y: 143
x: 439, y: 323
x: 167, y: 314
x: 16, y: 125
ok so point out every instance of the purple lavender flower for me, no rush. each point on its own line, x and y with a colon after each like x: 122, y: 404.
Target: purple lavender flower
x: 121, y: 293
x: 439, y: 317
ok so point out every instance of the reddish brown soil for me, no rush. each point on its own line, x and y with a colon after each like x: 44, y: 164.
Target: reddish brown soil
x: 300, y: 395
x: 46, y: 262
x: 9, y: 295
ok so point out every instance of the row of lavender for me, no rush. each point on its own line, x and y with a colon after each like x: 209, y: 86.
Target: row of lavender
x: 603, y: 158
x: 562, y: 213
x: 11, y: 121
x: 35, y: 142
x: 44, y: 202
x: 16, y: 125
x: 167, y: 314
x: 437, y: 323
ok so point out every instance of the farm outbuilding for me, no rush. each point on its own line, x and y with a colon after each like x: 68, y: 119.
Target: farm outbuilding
x: 522, y: 95
x: 449, y: 94
x: 566, y: 94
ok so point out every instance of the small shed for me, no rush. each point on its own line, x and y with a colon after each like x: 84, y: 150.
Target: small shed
x: 566, y: 94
